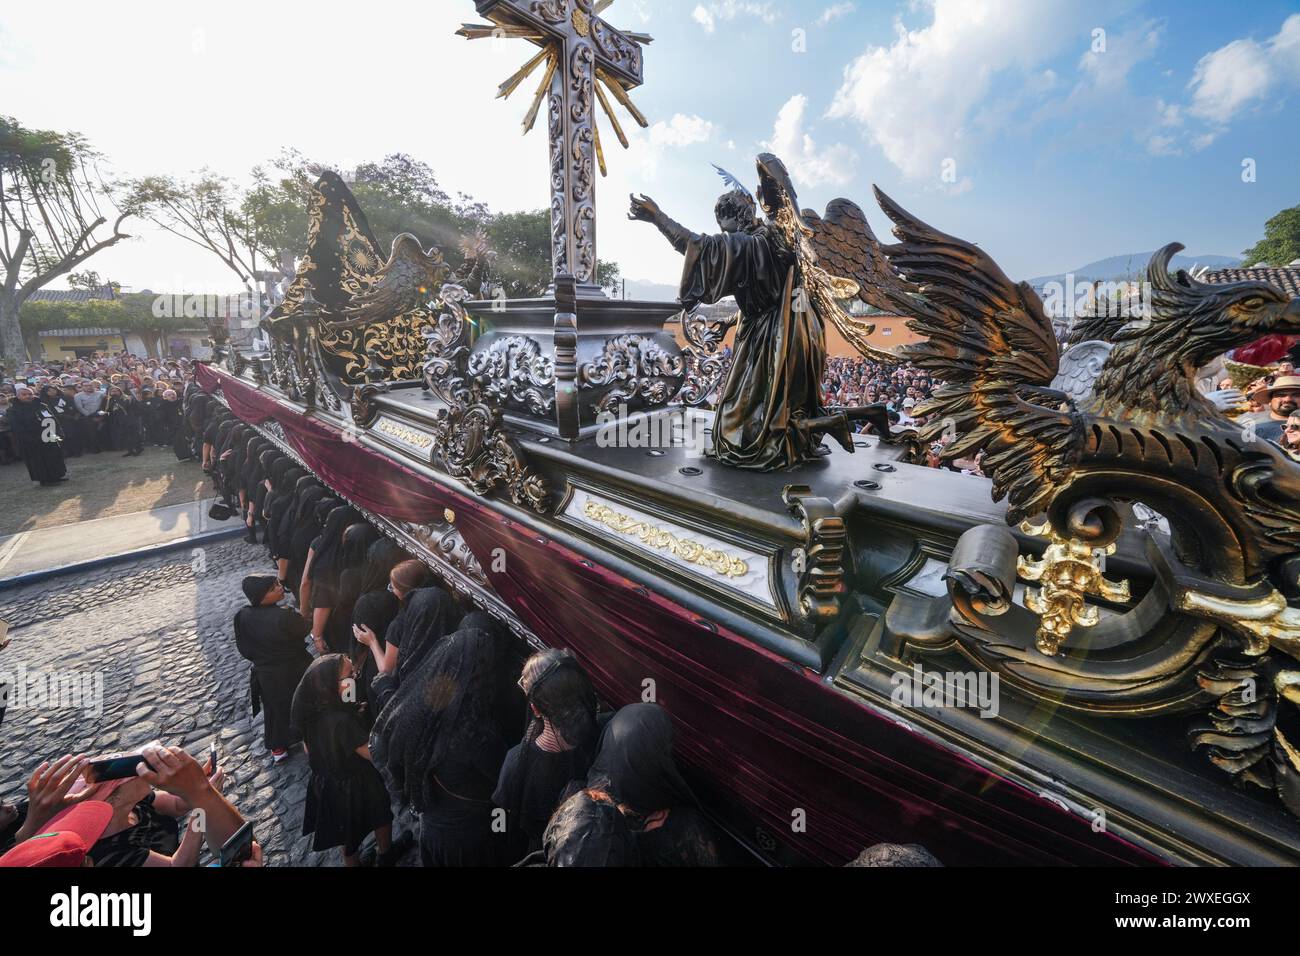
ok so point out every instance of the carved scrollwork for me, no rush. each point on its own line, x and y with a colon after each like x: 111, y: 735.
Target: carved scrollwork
x: 469, y: 437
x: 513, y: 370
x: 820, y: 562
x: 705, y: 365
x: 446, y: 346
x: 474, y: 448
x: 635, y: 366
x: 443, y: 539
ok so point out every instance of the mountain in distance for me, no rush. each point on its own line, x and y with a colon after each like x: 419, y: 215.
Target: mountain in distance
x: 643, y: 290
x: 1132, y: 266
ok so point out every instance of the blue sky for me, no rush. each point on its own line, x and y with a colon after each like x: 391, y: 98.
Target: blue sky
x: 1056, y: 153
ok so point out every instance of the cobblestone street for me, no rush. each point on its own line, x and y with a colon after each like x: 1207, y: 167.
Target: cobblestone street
x: 158, y: 630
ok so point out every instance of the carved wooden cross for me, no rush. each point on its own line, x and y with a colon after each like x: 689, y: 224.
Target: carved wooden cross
x: 583, y: 58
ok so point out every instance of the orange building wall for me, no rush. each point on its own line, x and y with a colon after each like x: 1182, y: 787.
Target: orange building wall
x: 891, y: 333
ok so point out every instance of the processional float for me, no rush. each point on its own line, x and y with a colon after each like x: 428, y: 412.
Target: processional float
x: 1087, y: 657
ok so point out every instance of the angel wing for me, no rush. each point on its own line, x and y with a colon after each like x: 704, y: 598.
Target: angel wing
x: 408, y: 279
x: 1096, y: 328
x: 847, y: 250
x: 1080, y: 366
x: 991, y: 344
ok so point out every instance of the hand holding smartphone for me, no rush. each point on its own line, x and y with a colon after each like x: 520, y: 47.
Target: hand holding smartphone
x: 239, y: 847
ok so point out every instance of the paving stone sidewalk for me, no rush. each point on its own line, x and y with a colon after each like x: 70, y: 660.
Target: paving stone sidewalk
x: 158, y: 630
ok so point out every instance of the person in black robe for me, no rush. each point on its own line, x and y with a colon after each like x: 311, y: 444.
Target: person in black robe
x: 384, y: 555
x: 65, y: 412
x: 309, y: 520
x: 346, y: 799
x: 36, y: 431
x: 357, y: 539
x: 269, y: 461
x: 372, y: 615
x: 636, y: 809
x: 428, y: 615
x: 272, y: 638
x: 124, y: 422
x: 440, y: 742
x: 287, y: 523
x: 772, y: 393
x: 167, y: 419
x: 278, y: 501
x: 322, y: 573
x: 558, y: 747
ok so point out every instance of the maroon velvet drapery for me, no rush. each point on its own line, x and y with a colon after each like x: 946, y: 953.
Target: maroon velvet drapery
x: 364, y: 477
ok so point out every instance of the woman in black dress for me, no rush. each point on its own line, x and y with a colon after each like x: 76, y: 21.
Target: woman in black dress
x: 35, y: 431
x: 65, y: 413
x: 558, y: 747
x: 309, y: 520
x: 428, y: 615
x: 440, y: 742
x: 357, y: 539
x: 322, y: 574
x: 372, y: 615
x: 636, y: 809
x: 346, y: 799
x: 124, y: 422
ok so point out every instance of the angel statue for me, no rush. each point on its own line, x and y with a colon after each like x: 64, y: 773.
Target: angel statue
x: 770, y: 414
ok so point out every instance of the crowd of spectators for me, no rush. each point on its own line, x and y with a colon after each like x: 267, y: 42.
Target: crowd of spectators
x: 53, y: 411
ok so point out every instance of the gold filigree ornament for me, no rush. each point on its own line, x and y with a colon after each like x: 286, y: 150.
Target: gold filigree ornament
x: 1264, y: 623
x: 661, y: 540
x: 1069, y: 571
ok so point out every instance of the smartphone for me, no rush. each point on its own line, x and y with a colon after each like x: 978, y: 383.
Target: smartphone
x: 239, y: 847
x: 113, y: 768
x: 212, y: 759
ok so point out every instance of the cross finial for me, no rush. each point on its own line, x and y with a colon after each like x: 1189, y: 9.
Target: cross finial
x: 584, y: 61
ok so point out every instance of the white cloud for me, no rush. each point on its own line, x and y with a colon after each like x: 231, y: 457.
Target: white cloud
x: 1107, y: 72
x: 709, y: 15
x: 681, y: 130
x: 834, y: 12
x: 915, y: 98
x: 704, y: 18
x: 808, y: 165
x: 1243, y: 72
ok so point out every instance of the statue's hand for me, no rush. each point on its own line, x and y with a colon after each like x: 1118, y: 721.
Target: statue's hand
x: 643, y: 208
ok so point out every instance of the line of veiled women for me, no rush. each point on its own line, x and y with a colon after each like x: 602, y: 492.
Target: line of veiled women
x: 408, y: 699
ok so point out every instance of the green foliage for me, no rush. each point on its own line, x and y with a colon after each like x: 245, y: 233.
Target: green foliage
x: 1281, y: 242
x: 132, y: 312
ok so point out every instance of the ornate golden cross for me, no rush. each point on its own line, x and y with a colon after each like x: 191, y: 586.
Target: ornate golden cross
x: 584, y: 59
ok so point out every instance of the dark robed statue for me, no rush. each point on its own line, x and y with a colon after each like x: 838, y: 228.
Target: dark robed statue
x: 770, y: 414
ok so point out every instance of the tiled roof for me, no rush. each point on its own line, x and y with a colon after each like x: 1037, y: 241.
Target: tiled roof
x: 59, y: 333
x: 71, y: 295
x: 1286, y: 278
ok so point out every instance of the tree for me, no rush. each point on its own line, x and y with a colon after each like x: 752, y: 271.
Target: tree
x: 1281, y: 242
x: 88, y: 280
x: 213, y: 214
x: 133, y: 312
x: 50, y: 196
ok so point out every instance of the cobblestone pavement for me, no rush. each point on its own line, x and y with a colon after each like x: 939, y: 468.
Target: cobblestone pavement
x: 158, y: 630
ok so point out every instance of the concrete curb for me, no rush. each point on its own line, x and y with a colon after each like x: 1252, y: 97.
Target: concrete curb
x: 31, y: 577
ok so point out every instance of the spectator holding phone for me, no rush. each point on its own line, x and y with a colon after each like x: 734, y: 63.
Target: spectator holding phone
x: 168, y: 785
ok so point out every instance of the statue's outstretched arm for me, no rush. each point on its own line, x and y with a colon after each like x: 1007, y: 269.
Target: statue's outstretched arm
x: 647, y: 210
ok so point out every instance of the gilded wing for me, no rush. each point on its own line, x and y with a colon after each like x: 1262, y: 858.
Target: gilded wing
x: 846, y: 247
x: 993, y: 347
x: 410, y: 278
x: 1096, y: 328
